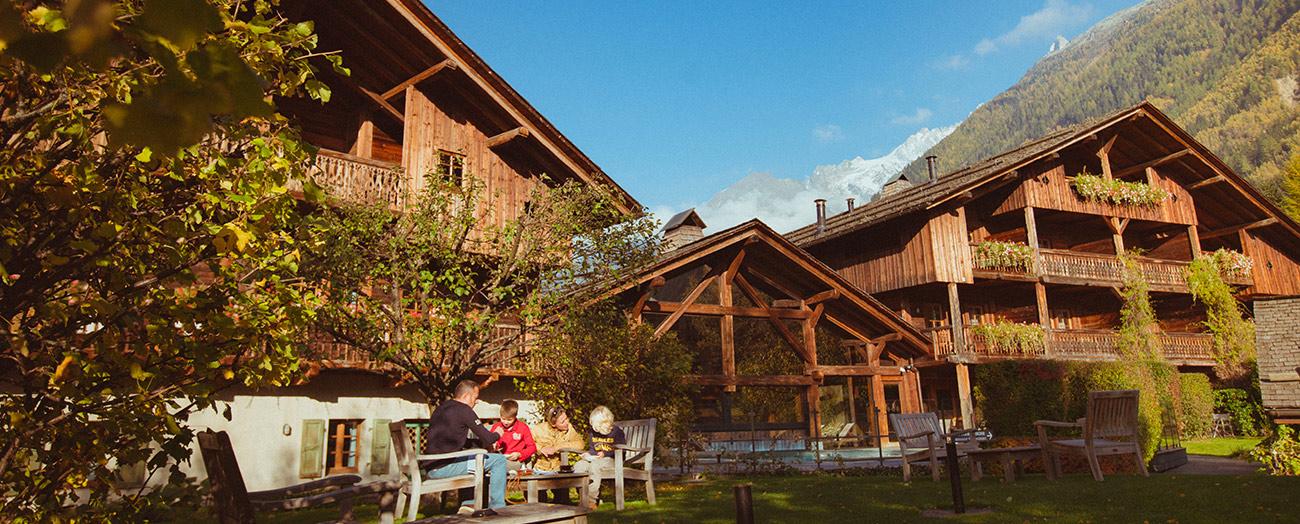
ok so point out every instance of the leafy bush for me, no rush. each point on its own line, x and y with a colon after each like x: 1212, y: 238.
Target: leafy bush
x: 1246, y: 410
x: 1197, y: 413
x: 1011, y: 395
x: 1009, y: 256
x: 1119, y: 192
x: 1004, y: 336
x: 1231, y: 263
x: 1279, y: 453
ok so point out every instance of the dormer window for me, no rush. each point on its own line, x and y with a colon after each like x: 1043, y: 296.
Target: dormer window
x: 451, y: 167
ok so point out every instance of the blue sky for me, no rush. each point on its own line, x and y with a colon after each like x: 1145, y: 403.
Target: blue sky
x: 677, y: 100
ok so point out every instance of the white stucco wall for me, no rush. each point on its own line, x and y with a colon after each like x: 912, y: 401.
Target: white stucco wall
x: 269, y: 459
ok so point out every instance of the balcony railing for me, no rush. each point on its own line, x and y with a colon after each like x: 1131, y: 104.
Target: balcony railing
x: 1074, y: 267
x: 1079, y: 344
x: 510, y: 359
x: 359, y: 180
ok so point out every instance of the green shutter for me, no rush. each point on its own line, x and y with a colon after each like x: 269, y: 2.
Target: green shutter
x: 380, y: 442
x: 313, y: 449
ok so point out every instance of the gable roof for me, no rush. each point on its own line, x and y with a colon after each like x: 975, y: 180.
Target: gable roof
x: 415, y: 41
x: 795, y: 270
x: 997, y: 170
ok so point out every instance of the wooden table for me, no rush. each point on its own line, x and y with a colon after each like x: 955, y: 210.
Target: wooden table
x: 520, y: 514
x: 537, y: 482
x: 1012, y: 460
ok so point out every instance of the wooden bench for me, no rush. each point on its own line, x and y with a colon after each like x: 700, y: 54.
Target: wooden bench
x: 532, y: 512
x: 535, y: 483
x: 1012, y: 460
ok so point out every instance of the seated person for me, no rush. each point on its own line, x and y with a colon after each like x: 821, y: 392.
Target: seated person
x: 552, y: 435
x: 598, y: 461
x: 516, y: 439
x: 449, y: 429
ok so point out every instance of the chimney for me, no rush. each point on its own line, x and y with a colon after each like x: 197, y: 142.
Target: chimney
x: 849, y: 201
x: 932, y: 167
x: 683, y: 228
x: 821, y: 214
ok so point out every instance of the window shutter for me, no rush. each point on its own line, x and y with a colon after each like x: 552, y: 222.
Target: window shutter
x: 313, y: 449
x: 380, y: 442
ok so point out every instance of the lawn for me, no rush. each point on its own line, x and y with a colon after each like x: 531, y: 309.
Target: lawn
x: 1222, y: 447
x: 830, y: 498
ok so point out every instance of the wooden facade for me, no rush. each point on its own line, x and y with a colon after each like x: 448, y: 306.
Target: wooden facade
x: 922, y: 240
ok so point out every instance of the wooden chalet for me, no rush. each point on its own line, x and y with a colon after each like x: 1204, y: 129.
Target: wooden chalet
x: 782, y: 343
x: 419, y: 101
x: 914, y: 248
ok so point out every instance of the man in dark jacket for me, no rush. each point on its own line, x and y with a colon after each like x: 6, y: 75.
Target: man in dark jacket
x: 449, y: 429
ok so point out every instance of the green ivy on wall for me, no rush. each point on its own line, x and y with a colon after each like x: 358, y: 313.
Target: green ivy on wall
x: 1234, y: 334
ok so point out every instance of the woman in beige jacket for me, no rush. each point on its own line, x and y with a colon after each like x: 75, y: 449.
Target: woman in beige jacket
x: 552, y: 435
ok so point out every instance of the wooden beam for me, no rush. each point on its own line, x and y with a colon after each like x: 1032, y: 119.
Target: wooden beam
x: 690, y: 299
x: 1040, y: 297
x: 830, y: 294
x: 964, y: 397
x: 639, y: 307
x: 1105, y: 149
x: 715, y: 310
x: 380, y: 101
x: 501, y: 139
x: 816, y: 314
x: 1152, y: 163
x: 858, y: 371
x: 880, y: 340
x: 809, y: 327
x: 1212, y: 180
x: 364, y: 145
x: 1104, y: 155
x: 1233, y: 229
x: 445, y: 65
x: 781, y: 328
x: 771, y: 282
x: 954, y: 319
x: 734, y: 267
x: 727, y: 325
x: 1031, y: 233
x: 1117, y: 226
x: 1194, y: 241
x: 752, y: 380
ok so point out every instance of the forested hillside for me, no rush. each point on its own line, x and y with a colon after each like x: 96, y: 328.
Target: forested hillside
x: 1226, y: 70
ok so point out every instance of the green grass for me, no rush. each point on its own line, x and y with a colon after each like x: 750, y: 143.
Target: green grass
x: 829, y: 498
x: 1222, y: 447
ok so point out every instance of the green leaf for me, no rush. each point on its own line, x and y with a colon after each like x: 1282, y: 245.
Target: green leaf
x: 181, y: 22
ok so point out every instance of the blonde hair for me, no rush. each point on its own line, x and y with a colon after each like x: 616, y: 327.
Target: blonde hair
x: 602, y: 420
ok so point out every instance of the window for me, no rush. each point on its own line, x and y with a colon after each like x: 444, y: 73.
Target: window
x: 935, y: 316
x: 1063, y: 319
x: 341, y: 454
x: 451, y: 167
x: 975, y: 315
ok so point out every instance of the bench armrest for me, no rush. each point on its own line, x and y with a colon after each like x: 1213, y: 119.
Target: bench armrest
x: 921, y: 434
x: 453, y: 454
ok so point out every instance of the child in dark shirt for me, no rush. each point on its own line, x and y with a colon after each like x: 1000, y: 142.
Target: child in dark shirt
x: 598, y: 461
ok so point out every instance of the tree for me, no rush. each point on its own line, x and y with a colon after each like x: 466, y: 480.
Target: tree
x: 148, y: 244
x: 426, y: 291
x: 1291, y: 187
x: 595, y: 356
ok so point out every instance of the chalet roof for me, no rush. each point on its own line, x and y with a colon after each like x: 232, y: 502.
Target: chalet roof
x: 1001, y: 168
x: 796, y: 272
x: 417, y: 41
x: 688, y: 217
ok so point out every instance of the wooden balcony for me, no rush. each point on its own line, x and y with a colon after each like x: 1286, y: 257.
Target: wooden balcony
x: 512, y: 360
x: 1195, y: 349
x: 1097, y: 269
x: 359, y: 180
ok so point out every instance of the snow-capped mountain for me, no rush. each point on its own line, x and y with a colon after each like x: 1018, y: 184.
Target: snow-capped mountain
x: 785, y: 203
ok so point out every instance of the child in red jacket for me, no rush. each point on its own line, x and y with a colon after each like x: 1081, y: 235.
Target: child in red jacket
x: 516, y: 440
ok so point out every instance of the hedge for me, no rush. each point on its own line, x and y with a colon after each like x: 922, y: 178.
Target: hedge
x: 1011, y: 395
x: 1197, y: 405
